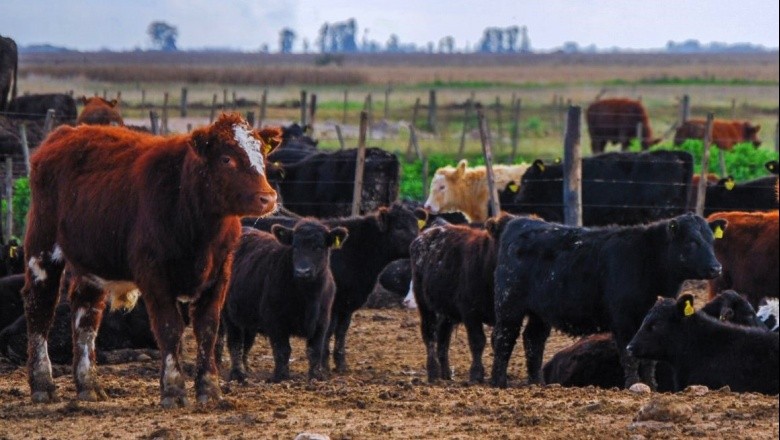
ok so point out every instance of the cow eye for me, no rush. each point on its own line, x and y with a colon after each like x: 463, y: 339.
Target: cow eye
x: 227, y: 160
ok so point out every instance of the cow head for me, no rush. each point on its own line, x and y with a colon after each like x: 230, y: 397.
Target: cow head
x: 443, y: 193
x: 311, y: 242
x: 732, y: 307
x: 750, y: 133
x: 662, y: 328
x: 99, y: 111
x: 398, y: 226
x: 688, y: 246
x: 232, y: 161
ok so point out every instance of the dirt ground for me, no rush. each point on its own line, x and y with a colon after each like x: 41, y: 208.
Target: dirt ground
x: 384, y: 396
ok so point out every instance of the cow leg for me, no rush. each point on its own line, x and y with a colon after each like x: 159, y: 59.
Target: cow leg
x: 280, y: 345
x: 235, y: 343
x: 534, y: 338
x: 443, y: 336
x: 428, y: 333
x: 205, y: 315
x: 340, y: 344
x: 167, y: 326
x: 598, y: 145
x: 87, y: 302
x: 40, y: 292
x: 249, y: 342
x: 477, y: 340
x: 314, y: 352
x: 328, y: 336
x: 504, y: 338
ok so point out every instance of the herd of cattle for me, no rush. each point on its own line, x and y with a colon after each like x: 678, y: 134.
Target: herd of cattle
x: 238, y: 232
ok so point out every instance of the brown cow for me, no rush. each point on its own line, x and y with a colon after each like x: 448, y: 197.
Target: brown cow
x: 749, y: 254
x: 129, y: 212
x: 725, y: 133
x: 98, y: 111
x: 616, y: 120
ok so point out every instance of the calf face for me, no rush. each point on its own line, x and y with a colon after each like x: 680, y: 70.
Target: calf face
x: 661, y: 324
x: 443, y: 191
x: 732, y: 307
x: 750, y: 133
x: 310, y: 241
x: 399, y: 227
x: 690, y: 252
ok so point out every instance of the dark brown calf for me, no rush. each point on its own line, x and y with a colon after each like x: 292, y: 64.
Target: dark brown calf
x: 725, y: 133
x: 98, y: 111
x: 750, y: 254
x: 129, y: 212
x: 616, y: 120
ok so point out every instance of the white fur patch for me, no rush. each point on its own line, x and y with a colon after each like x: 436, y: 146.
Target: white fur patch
x: 251, y: 146
x: 39, y: 273
x: 82, y: 369
x: 432, y: 204
x: 56, y: 255
x: 79, y: 314
x: 768, y: 310
x: 41, y: 354
x: 409, y: 302
x: 171, y: 372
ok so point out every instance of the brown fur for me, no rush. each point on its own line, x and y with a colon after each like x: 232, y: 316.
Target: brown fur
x: 615, y: 120
x: 160, y: 213
x: 725, y: 133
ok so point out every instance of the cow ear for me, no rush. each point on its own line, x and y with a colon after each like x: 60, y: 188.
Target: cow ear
x: 461, y: 169
x: 718, y: 226
x: 200, y: 141
x: 271, y: 137
x: 685, y: 305
x: 284, y: 235
x: 83, y: 99
x: 539, y: 165
x: 756, y: 128
x: 337, y: 237
x: 383, y: 219
x: 113, y: 102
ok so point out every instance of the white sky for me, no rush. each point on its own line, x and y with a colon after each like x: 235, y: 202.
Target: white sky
x: 246, y: 25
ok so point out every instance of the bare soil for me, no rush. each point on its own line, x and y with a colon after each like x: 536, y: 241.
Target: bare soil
x: 385, y: 395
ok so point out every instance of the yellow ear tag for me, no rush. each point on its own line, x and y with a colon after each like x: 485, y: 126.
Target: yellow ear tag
x: 718, y: 232
x: 541, y: 167
x: 265, y: 149
x: 513, y: 187
x: 729, y: 185
x: 420, y: 224
x: 688, y: 311
x: 12, y: 252
x: 337, y: 243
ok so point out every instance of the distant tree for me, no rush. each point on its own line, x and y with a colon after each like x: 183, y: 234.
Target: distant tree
x: 163, y: 35
x: 525, y: 43
x: 305, y: 45
x: 286, y: 40
x: 511, y: 38
x: 393, y: 44
x: 571, y: 47
x: 447, y: 44
x: 338, y: 37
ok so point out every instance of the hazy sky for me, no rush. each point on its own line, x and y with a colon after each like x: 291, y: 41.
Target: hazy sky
x: 246, y: 24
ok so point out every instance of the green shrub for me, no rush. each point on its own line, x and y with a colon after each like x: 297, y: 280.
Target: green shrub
x: 21, y: 204
x: 743, y: 162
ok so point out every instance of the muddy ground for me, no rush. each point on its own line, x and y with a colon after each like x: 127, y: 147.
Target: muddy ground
x: 384, y: 396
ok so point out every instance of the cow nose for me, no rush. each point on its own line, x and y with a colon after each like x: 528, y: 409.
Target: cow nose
x: 305, y: 272
x: 630, y: 350
x: 268, y: 198
x: 715, y: 271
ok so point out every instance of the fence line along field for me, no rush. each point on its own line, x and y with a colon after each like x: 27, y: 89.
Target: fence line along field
x: 423, y: 109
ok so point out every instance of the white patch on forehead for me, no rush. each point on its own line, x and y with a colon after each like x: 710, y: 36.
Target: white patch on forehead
x: 39, y: 273
x: 251, y: 146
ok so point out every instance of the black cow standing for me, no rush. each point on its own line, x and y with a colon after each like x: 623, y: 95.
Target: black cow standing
x: 753, y: 195
x: 705, y: 351
x: 583, y: 281
x: 295, y: 146
x: 321, y: 184
x: 11, y: 303
x: 375, y: 240
x: 281, y: 285
x: 617, y: 188
x: 452, y: 275
x: 35, y: 107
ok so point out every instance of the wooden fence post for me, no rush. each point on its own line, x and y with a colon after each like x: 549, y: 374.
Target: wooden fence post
x: 164, y: 124
x: 387, y: 103
x: 250, y: 118
x: 701, y: 191
x: 224, y: 100
x: 183, y: 103
x: 213, y: 113
x: 344, y: 115
x: 639, y: 132
x: 48, y: 122
x: 360, y: 163
x: 515, y: 129
x: 685, y: 109
x: 263, y: 106
x: 777, y: 136
x: 425, y: 170
x: 487, y: 152
x: 312, y: 112
x: 9, y: 197
x: 234, y: 103
x: 572, y: 169
x: 415, y: 111
x: 25, y: 145
x: 466, y: 119
x: 413, y: 151
x: 432, y: 111
x: 499, y: 126
x: 143, y: 98
x: 340, y: 137
x: 154, y: 119
x: 368, y: 106
x: 303, y: 108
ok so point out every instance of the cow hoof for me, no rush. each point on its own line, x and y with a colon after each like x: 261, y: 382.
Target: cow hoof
x: 238, y: 376
x: 92, y: 395
x: 206, y: 398
x: 172, y: 402
x: 44, y: 397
